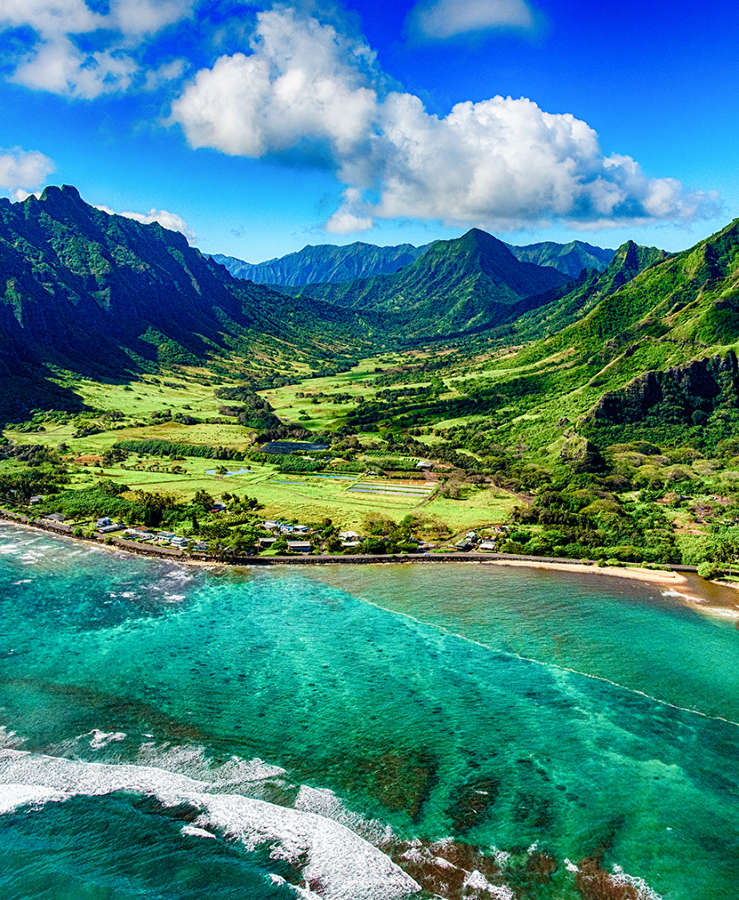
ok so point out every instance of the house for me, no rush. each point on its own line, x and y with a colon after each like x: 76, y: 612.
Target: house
x: 269, y: 525
x: 202, y: 547
x: 265, y: 543
x: 348, y: 536
x: 102, y: 523
x: 218, y: 508
x: 35, y: 500
x: 472, y: 536
x: 350, y: 545
x: 488, y: 545
x: 424, y: 465
x: 299, y: 546
x: 179, y: 542
x: 301, y: 529
x: 464, y: 545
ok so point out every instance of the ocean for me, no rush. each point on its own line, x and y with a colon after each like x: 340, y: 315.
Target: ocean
x: 358, y: 732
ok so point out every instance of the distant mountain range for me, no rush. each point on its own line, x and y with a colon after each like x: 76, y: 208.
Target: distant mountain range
x: 84, y: 292
x: 324, y: 263
x: 330, y: 264
x: 456, y: 287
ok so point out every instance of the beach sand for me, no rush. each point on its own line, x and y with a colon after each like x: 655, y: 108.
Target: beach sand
x: 708, y: 597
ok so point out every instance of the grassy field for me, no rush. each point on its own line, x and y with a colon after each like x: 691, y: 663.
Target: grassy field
x: 348, y: 499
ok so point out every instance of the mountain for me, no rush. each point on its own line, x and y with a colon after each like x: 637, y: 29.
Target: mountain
x: 324, y: 263
x: 459, y: 286
x: 569, y: 259
x: 649, y: 359
x: 329, y: 264
x: 573, y: 301
x: 103, y: 295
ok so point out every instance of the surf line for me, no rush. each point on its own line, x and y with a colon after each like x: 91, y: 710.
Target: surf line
x: 547, y: 665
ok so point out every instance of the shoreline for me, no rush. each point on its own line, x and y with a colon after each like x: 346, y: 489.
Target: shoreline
x: 678, y: 581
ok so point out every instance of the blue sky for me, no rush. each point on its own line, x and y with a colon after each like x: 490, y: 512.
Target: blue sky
x: 259, y: 128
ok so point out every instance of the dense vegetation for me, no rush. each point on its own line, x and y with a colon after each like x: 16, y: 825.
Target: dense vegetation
x: 608, y: 406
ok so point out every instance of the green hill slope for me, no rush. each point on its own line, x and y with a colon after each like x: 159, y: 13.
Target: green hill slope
x: 104, y: 296
x: 324, y: 263
x: 570, y: 259
x: 456, y: 287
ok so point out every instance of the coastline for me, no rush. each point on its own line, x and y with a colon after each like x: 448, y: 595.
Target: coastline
x: 680, y: 582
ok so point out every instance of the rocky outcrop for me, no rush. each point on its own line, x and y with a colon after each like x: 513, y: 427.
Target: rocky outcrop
x: 681, y: 395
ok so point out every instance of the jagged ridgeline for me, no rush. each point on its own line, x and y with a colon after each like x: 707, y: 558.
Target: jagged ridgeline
x: 330, y: 264
x: 456, y: 287
x: 105, y: 296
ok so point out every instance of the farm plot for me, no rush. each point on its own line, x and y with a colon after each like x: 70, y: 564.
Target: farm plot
x: 404, y: 489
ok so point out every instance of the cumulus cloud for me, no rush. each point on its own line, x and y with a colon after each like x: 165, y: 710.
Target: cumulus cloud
x: 23, y: 171
x: 442, y: 19
x: 166, y: 219
x: 306, y: 88
x: 55, y: 60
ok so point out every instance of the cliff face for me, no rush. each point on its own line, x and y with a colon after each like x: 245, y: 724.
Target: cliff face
x: 683, y: 394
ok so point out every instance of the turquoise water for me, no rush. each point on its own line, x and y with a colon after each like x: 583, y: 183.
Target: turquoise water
x: 503, y: 708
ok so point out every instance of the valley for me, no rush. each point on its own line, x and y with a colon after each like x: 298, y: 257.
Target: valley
x: 533, y: 419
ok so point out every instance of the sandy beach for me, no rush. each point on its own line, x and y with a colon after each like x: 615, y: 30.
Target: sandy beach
x: 709, y: 597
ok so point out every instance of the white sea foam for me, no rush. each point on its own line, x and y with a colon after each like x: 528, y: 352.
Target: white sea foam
x: 476, y: 881
x: 347, y: 866
x: 22, y: 581
x: 643, y: 891
x: 194, y: 831
x: 9, y: 738
x: 325, y: 803
x: 14, y: 796
x: 100, y: 739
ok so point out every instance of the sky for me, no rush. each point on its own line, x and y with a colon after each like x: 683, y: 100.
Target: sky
x: 259, y: 128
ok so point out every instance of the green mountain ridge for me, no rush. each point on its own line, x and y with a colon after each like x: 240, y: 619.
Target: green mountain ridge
x: 105, y: 296
x: 459, y: 286
x: 324, y: 263
x: 570, y: 259
x: 332, y: 264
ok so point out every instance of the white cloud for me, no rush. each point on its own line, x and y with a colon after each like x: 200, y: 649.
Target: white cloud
x: 351, y: 215
x: 166, y: 219
x: 307, y: 89
x: 55, y: 61
x: 22, y: 171
x: 303, y: 81
x: 442, y: 19
x: 58, y: 66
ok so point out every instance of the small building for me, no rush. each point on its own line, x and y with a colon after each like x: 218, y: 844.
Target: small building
x: 301, y: 529
x: 265, y: 543
x: 180, y: 542
x: 269, y: 525
x: 488, y: 545
x: 423, y: 465
x: 108, y: 529
x: 56, y: 517
x: 299, y: 546
x: 350, y: 545
x: 464, y: 545
x: 34, y: 501
x: 472, y: 535
x: 218, y: 508
x: 348, y: 536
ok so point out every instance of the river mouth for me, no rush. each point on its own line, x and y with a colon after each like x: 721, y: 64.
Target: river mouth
x: 558, y: 736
